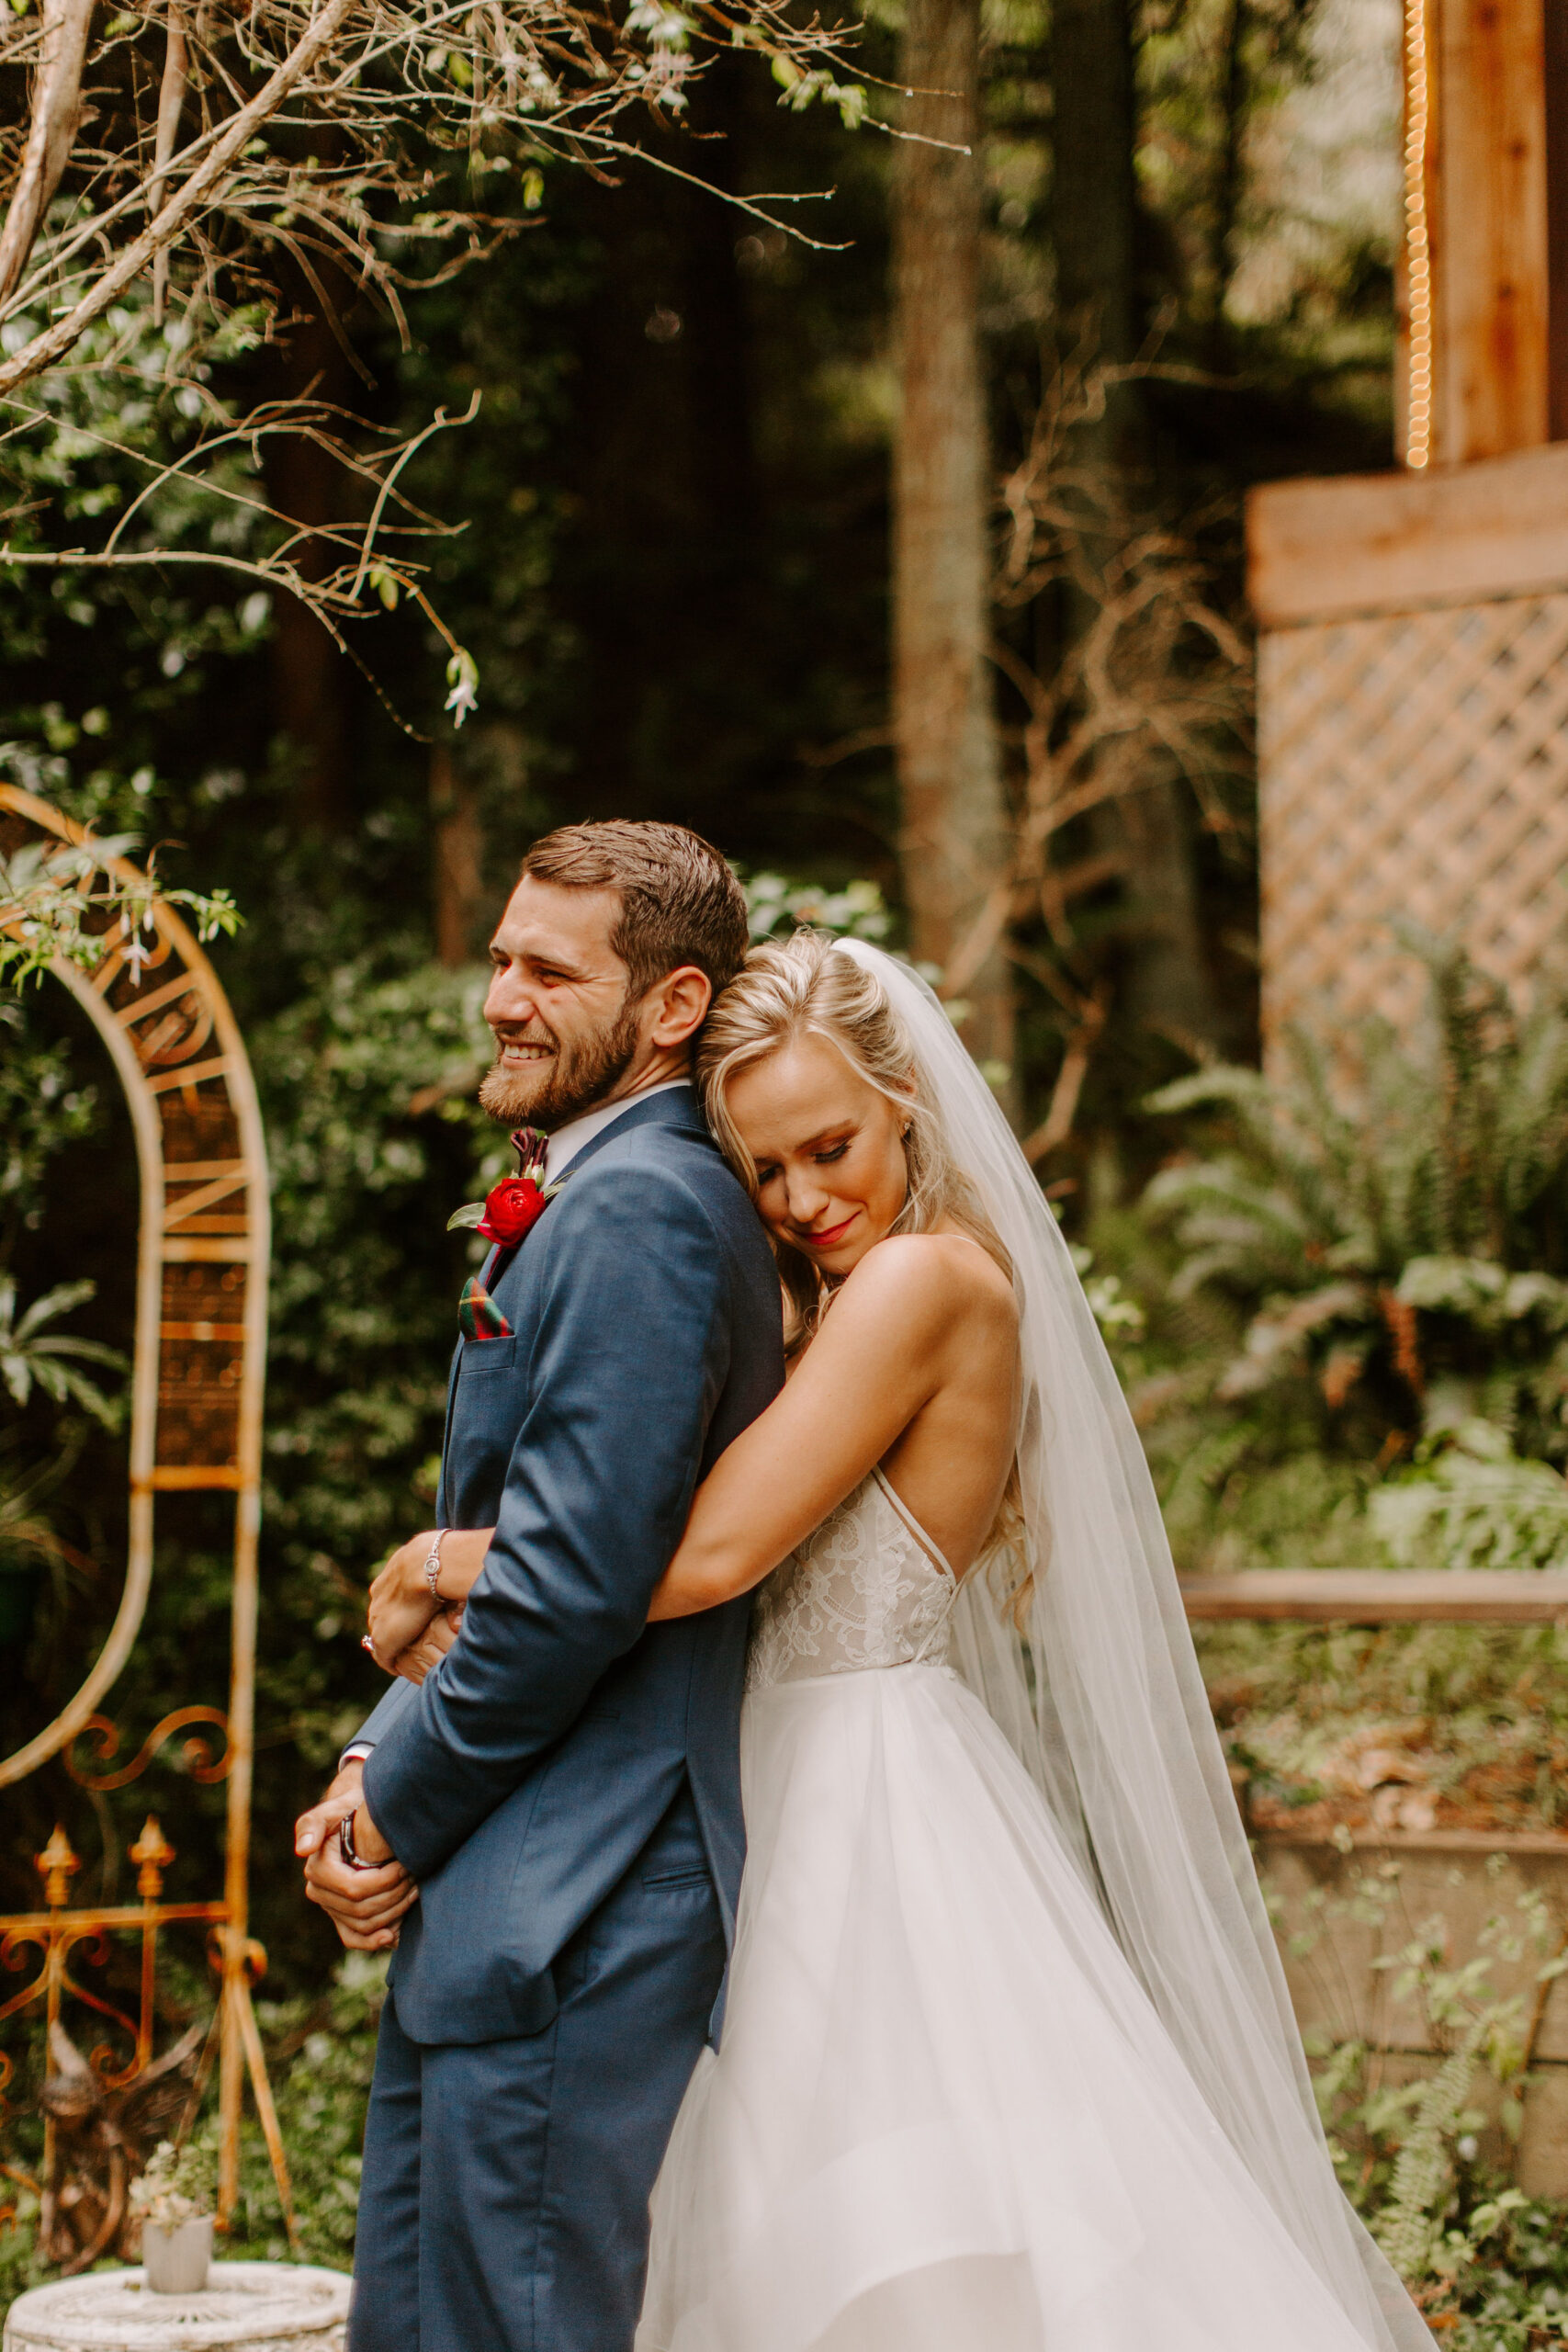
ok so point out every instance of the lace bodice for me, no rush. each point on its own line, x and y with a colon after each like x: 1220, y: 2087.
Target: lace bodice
x: 861, y: 1591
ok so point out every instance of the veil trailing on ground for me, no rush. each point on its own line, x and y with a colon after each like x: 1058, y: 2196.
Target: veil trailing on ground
x: 1100, y: 1692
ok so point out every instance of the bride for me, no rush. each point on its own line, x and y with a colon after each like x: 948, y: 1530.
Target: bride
x: 1007, y: 2062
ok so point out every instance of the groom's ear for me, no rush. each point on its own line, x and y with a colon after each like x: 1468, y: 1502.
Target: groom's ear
x: 679, y: 1004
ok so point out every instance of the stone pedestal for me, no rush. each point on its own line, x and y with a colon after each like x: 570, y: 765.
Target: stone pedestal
x: 269, y: 2306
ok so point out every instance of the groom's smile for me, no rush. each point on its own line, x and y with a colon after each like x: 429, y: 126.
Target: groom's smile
x: 517, y: 1053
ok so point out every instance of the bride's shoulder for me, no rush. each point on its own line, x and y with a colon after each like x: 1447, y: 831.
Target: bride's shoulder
x: 921, y: 1275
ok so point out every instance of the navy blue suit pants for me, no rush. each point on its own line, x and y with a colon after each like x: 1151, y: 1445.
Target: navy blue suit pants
x: 505, y: 2195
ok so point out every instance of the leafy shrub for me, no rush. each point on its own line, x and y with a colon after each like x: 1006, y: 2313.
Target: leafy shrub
x: 1393, y: 1220
x: 1364, y: 1265
x: 321, y: 2056
x: 1417, y: 2156
x: 1472, y: 1503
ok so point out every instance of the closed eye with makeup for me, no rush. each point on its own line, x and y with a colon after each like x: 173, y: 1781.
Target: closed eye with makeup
x: 831, y: 1173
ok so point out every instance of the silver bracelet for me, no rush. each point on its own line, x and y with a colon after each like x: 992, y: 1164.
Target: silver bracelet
x: 433, y: 1568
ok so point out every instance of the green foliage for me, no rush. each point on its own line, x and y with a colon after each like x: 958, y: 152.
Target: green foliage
x: 1368, y: 1263
x: 1474, y: 1504
x: 1412, y: 2142
x: 42, y: 1110
x: 321, y: 2056
x: 1121, y: 1318
x: 27, y: 1536
x: 29, y: 1355
x: 1411, y: 1177
x: 19, y: 2265
x: 55, y: 897
x: 776, y: 906
x: 367, y: 1084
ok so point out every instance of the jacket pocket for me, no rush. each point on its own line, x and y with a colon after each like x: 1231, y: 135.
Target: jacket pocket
x: 487, y: 1355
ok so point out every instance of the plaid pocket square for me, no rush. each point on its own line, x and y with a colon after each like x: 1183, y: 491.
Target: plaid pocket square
x: 478, y: 1316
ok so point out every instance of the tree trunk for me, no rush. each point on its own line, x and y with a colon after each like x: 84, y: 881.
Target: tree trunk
x: 955, y: 821
x: 1094, y: 222
x: 459, y: 844
x: 1093, y: 192
x: 310, y: 676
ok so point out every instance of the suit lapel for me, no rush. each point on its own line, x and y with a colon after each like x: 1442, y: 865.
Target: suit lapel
x: 676, y: 1108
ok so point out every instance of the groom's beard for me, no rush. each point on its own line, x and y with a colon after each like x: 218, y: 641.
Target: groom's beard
x: 564, y: 1082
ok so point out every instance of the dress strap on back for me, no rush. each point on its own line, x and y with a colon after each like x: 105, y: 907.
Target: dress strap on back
x: 927, y: 1543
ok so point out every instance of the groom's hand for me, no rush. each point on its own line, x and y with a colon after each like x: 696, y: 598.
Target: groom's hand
x: 364, y: 1906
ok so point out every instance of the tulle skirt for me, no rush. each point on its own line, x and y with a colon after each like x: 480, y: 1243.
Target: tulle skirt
x: 943, y: 2116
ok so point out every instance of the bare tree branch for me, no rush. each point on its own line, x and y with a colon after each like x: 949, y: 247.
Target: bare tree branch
x: 1155, y: 684
x: 171, y: 101
x: 352, y: 148
x: 1057, y: 1124
x: 57, y: 106
x: 182, y: 207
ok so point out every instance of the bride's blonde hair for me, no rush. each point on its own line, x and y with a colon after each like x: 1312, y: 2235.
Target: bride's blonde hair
x: 804, y: 987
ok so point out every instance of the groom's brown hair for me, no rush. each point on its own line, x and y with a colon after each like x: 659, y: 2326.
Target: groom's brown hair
x: 680, y: 903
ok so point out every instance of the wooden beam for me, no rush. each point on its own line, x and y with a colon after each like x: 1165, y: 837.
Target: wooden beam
x: 1321, y: 550
x: 1368, y: 1596
x: 1369, y: 1841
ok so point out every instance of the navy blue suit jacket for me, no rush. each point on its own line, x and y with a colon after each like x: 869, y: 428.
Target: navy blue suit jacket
x: 523, y: 1778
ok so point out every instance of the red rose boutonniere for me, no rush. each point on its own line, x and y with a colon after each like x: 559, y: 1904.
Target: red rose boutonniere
x: 511, y: 1208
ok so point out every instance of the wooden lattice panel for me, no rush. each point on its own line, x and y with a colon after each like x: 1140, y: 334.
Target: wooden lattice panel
x: 1412, y: 763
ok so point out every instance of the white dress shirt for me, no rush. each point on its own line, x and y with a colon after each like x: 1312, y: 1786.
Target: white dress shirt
x: 567, y: 1142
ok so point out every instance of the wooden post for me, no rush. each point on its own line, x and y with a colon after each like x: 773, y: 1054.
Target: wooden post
x: 1485, y: 344
x: 1556, y: 56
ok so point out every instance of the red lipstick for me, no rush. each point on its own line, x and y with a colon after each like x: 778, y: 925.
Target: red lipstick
x: 826, y: 1240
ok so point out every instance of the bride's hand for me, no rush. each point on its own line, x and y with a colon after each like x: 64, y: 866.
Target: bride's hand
x: 442, y: 1630
x: 401, y: 1603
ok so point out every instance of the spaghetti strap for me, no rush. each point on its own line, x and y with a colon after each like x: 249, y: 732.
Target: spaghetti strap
x: 927, y: 1543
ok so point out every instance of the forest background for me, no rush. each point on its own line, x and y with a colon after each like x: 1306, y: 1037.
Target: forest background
x: 675, y: 579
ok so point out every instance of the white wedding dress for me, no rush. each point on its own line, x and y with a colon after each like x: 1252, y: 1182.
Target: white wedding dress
x: 945, y: 2115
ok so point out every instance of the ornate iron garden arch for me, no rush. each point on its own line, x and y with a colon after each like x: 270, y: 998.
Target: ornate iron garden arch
x: 197, y: 1378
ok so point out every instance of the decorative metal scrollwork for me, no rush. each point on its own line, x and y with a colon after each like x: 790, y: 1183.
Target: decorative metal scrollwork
x: 195, y: 1754
x: 202, y: 1256
x: 196, y: 1400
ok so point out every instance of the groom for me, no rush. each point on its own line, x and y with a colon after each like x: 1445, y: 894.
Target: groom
x: 563, y: 1789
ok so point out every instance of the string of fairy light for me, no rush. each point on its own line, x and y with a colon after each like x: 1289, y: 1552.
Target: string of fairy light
x: 1417, y: 237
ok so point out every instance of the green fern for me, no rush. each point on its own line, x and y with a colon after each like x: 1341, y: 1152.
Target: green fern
x: 1392, y: 1215
x: 1410, y: 2225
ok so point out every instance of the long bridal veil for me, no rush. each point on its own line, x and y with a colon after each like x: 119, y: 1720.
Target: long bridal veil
x: 1100, y: 1694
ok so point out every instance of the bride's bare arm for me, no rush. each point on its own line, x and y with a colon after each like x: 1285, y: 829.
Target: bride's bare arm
x: 883, y: 1353
x: 892, y: 1341
x: 401, y: 1603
